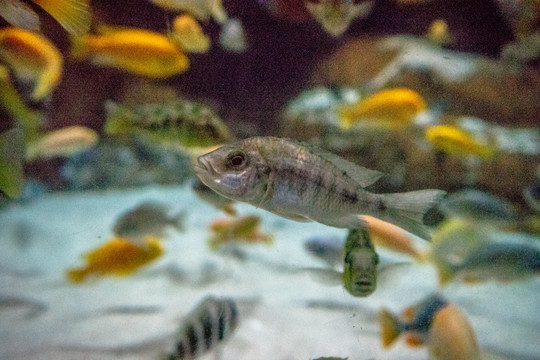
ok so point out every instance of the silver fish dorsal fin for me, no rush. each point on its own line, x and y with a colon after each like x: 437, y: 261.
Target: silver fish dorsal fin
x: 363, y: 176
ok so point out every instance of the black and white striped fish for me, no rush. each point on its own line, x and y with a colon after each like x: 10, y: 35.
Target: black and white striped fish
x: 211, y: 322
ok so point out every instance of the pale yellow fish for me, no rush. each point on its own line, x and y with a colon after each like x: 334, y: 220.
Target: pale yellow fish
x: 438, y: 32
x: 201, y: 9
x: 137, y: 51
x: 451, y: 336
x: 74, y: 15
x: 393, y: 238
x: 243, y: 229
x: 118, y: 257
x: 390, y: 108
x: 63, y: 142
x: 335, y: 16
x: 189, y: 36
x: 32, y: 58
x: 452, y: 140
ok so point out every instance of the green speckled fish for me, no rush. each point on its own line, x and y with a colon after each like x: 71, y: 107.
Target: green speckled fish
x: 180, y: 122
x: 303, y: 183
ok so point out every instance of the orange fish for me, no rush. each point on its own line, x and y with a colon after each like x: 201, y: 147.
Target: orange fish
x: 117, y: 257
x: 240, y: 229
x: 393, y: 238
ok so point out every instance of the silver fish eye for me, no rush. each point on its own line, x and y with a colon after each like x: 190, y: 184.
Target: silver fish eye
x: 236, y: 160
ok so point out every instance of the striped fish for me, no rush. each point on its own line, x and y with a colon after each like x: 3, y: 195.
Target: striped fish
x: 211, y: 322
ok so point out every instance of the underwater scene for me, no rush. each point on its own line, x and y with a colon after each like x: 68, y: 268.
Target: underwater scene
x: 270, y: 179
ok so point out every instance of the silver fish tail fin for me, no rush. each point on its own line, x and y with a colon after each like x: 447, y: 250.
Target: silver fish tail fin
x: 407, y: 210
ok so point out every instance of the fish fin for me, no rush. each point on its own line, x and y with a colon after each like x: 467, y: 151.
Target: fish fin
x: 74, y: 15
x: 410, y: 313
x: 413, y: 340
x: 389, y: 327
x: 327, y: 277
x: 407, y: 210
x: 177, y: 221
x: 79, y: 48
x: 77, y: 276
x: 19, y: 14
x: 11, y: 162
x: 361, y: 175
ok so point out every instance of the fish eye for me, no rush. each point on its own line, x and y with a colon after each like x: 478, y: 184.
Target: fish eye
x: 236, y: 160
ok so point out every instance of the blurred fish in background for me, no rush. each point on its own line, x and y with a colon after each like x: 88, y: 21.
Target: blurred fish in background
x: 390, y: 108
x: 435, y: 323
x: 138, y: 51
x: 238, y: 230
x: 181, y: 123
x: 188, y: 34
x: 64, y: 142
x: 454, y: 141
x: 148, y: 219
x: 327, y: 248
x: 118, y: 257
x: 475, y: 252
x: 33, y: 59
x: 232, y: 36
x: 205, y: 328
x: 201, y: 9
x: 75, y: 16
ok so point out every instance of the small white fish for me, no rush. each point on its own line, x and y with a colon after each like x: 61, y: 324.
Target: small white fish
x: 232, y: 36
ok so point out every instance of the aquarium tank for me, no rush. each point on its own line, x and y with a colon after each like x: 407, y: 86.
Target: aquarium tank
x: 270, y: 179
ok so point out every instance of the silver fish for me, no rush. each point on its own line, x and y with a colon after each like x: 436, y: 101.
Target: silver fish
x: 303, y: 183
x: 147, y: 219
x: 211, y: 322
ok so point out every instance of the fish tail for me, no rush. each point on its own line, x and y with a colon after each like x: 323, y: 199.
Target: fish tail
x: 47, y: 81
x: 80, y: 47
x: 389, y: 327
x: 408, y: 210
x: 77, y: 276
x: 74, y: 15
x: 177, y: 221
x: 446, y: 272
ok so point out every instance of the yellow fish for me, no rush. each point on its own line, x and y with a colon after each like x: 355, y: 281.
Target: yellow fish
x: 188, y: 35
x: 388, y: 108
x: 32, y: 58
x: 63, y: 142
x: 454, y: 141
x: 74, y: 15
x: 335, y: 16
x: 241, y: 229
x: 138, y: 51
x: 117, y: 257
x: 201, y: 9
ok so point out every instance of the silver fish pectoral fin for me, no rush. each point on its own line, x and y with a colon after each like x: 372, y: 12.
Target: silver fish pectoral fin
x: 291, y: 215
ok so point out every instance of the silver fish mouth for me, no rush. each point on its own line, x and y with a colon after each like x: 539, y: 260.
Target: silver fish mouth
x: 204, y: 167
